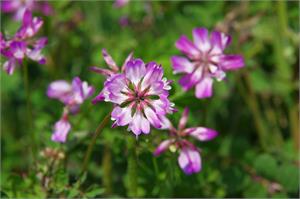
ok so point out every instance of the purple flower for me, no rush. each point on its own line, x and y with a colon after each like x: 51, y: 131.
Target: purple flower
x: 22, y: 45
x: 140, y: 96
x: 205, y: 60
x: 18, y: 7
x: 114, y: 69
x: 189, y: 158
x: 61, y: 130
x: 120, y: 3
x: 72, y: 95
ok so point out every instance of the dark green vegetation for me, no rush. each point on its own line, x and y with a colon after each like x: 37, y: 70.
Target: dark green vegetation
x: 255, y: 110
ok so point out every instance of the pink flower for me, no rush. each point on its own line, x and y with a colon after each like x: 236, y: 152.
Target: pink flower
x: 22, y: 45
x: 114, y: 69
x: 140, y: 96
x: 61, y: 130
x: 205, y: 60
x: 18, y: 7
x: 189, y: 158
x: 72, y: 95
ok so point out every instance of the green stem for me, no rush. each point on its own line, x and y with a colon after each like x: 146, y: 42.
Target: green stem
x: 107, y: 168
x: 28, y: 107
x: 131, y: 168
x: 92, y: 143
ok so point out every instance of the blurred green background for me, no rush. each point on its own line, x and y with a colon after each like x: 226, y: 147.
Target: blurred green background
x: 255, y: 110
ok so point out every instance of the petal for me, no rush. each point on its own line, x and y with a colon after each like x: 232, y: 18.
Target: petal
x: 113, y: 87
x: 183, y: 118
x: 201, y: 133
x: 201, y: 39
x: 9, y: 6
x: 10, y: 65
x: 189, y: 80
x: 231, y: 62
x: 109, y: 60
x: 165, y: 122
x: 162, y: 147
x: 182, y: 65
x: 189, y: 160
x: 101, y: 71
x: 135, y: 70
x: 204, y: 88
x: 187, y: 47
x: 18, y: 49
x: 154, y: 73
x: 59, y: 90
x: 61, y: 130
x: 129, y: 57
x: 122, y: 116
x: 152, y: 117
x: 219, y: 41
x: 139, y: 124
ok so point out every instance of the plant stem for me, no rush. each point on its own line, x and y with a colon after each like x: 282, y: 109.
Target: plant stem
x: 28, y: 107
x: 131, y: 168
x: 93, y: 142
x: 107, y: 167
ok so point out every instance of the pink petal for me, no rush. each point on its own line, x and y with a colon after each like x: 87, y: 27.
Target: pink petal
x: 59, y: 90
x: 152, y: 117
x: 231, y: 62
x: 187, y: 47
x: 162, y: 147
x: 109, y: 60
x: 61, y: 130
x: 122, y: 116
x: 189, y: 160
x: 201, y: 39
x: 183, y: 118
x: 139, y: 124
x: 135, y: 70
x: 201, y: 133
x: 182, y: 65
x: 10, y: 65
x: 189, y: 80
x: 204, y: 88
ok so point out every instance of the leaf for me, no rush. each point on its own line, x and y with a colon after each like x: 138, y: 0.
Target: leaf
x: 287, y: 175
x: 266, y: 166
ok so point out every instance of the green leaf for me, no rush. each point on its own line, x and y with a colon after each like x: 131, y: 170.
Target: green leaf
x: 266, y: 166
x: 287, y: 175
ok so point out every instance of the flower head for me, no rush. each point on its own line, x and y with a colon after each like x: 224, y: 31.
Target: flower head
x: 121, y: 3
x: 189, y: 158
x: 23, y: 45
x: 18, y: 7
x: 140, y: 96
x: 72, y: 95
x: 113, y: 67
x: 205, y: 60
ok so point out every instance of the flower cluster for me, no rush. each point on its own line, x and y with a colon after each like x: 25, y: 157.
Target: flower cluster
x: 189, y: 158
x: 205, y: 60
x: 22, y: 44
x: 72, y: 95
x: 18, y: 7
x: 139, y: 94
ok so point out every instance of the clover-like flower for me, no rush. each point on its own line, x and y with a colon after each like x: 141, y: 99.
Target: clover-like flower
x: 18, y: 7
x: 72, y: 95
x: 23, y: 45
x: 189, y: 158
x: 205, y: 60
x: 140, y: 96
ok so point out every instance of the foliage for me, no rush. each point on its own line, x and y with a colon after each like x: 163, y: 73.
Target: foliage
x: 255, y: 110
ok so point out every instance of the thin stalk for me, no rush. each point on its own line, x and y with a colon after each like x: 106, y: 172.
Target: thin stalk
x: 93, y: 142
x: 107, y: 168
x: 132, y: 185
x: 29, y: 108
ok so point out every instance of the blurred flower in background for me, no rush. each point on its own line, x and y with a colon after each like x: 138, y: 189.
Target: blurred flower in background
x: 23, y: 45
x: 120, y: 3
x: 72, y: 95
x: 205, y: 60
x: 189, y: 158
x: 18, y: 7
